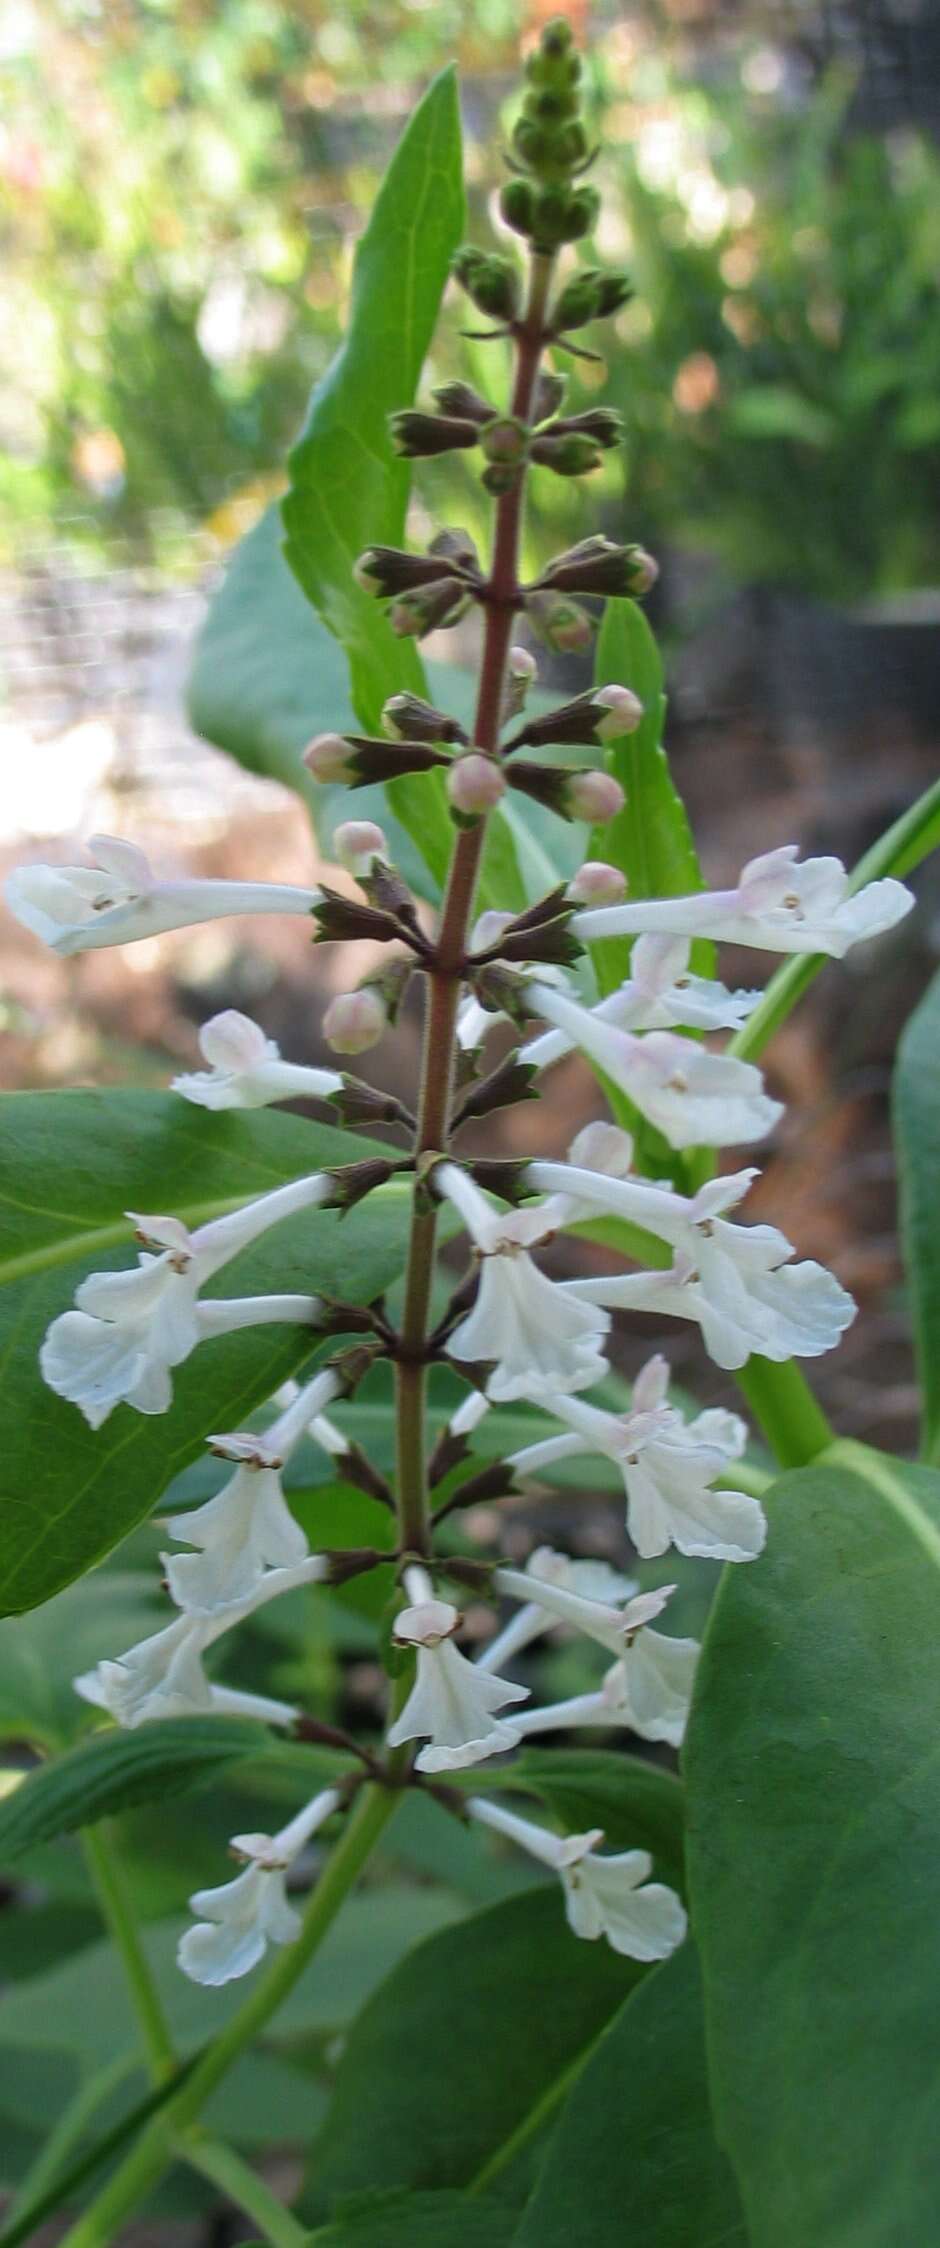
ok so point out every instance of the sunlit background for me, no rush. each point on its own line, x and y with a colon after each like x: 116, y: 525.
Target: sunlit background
x: 182, y: 186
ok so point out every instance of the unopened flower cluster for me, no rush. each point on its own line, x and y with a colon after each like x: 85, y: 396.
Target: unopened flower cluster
x: 522, y: 1334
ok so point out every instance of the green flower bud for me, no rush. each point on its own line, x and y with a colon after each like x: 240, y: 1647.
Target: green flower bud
x: 589, y: 295
x: 549, y: 396
x: 551, y: 104
x: 560, y: 623
x: 491, y: 282
x: 517, y: 205
x: 567, y: 456
x: 583, y: 210
x: 534, y: 144
x: 505, y: 440
x: 429, y: 609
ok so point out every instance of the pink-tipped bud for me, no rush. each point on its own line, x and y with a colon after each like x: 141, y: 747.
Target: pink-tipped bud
x: 624, y: 712
x: 475, y: 784
x: 522, y: 665
x: 596, y: 883
x: 645, y: 570
x: 355, y: 1020
x: 594, y: 796
x: 356, y: 843
x: 329, y: 758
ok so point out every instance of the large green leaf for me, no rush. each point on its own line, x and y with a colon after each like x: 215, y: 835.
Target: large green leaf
x: 41, y: 1653
x: 917, y: 1130
x: 464, y: 2052
x: 116, y: 1770
x: 71, y: 1164
x: 813, y: 1781
x: 348, y: 487
x: 419, y: 2220
x: 650, y: 840
x: 636, y: 2133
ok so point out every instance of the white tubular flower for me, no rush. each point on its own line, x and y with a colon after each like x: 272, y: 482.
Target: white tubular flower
x: 130, y: 1328
x: 611, y: 1897
x: 594, y: 1579
x: 247, y: 1527
x: 240, y: 1919
x: 118, y: 900
x: 453, y: 1704
x: 661, y: 994
x: 653, y: 1683
x: 246, y: 1071
x: 693, y: 1097
x: 521, y: 1321
x: 163, y: 1676
x: 668, y: 1467
x: 778, y: 905
x: 736, y: 1281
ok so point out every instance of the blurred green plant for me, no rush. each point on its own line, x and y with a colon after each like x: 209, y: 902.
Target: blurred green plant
x: 783, y: 411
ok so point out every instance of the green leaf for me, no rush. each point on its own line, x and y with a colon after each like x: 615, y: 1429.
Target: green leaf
x: 650, y: 840
x: 348, y: 487
x: 814, y: 1833
x: 419, y: 2220
x: 636, y: 2133
x: 490, y: 2017
x: 917, y: 1131
x: 71, y: 1164
x: 116, y: 1770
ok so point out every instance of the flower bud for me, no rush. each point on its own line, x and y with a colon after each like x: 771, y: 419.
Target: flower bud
x: 600, y: 423
x: 517, y: 205
x: 549, y: 396
x: 475, y: 784
x: 594, y: 796
x: 459, y: 398
x: 505, y: 440
x: 560, y: 623
x: 356, y: 843
x: 603, y: 713
x: 456, y: 546
x: 409, y: 718
x: 354, y: 1021
x: 567, y: 456
x: 386, y: 570
x: 417, y: 436
x: 330, y: 758
x: 520, y: 672
x: 429, y: 609
x: 624, y: 712
x: 597, y: 883
x: 491, y: 282
x: 589, y: 295
x: 598, y: 565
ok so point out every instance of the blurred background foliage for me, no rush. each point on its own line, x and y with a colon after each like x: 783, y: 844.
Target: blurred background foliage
x: 181, y: 187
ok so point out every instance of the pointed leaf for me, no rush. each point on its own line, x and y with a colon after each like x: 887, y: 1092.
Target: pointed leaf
x: 419, y: 2220
x: 917, y: 1128
x: 490, y: 2017
x: 814, y: 1834
x: 116, y: 1770
x: 636, y: 2133
x: 71, y: 1165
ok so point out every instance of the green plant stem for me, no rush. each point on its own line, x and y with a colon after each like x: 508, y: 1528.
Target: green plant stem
x: 782, y: 1402
x: 242, y: 2185
x: 119, y: 1917
x: 155, y: 2150
x: 444, y: 977
x: 897, y: 852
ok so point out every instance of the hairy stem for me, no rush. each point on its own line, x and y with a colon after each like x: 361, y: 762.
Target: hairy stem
x: 444, y: 977
x: 137, y: 2176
